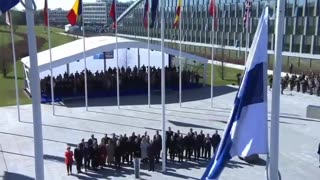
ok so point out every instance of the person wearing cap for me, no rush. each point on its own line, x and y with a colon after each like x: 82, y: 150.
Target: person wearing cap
x: 69, y: 160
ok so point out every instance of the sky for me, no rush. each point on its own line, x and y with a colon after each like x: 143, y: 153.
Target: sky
x: 53, y: 4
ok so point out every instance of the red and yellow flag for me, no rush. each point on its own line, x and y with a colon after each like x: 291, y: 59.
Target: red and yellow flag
x: 178, y: 14
x: 75, y: 12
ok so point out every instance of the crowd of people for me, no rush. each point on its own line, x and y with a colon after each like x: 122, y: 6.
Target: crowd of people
x: 105, y: 82
x: 305, y: 83
x: 119, y: 150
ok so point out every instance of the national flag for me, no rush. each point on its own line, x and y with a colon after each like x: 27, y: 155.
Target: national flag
x: 146, y: 14
x: 8, y: 18
x: 247, y: 14
x: 154, y: 8
x: 75, y: 12
x: 45, y: 12
x: 178, y: 14
x: 6, y: 5
x: 247, y: 130
x: 213, y: 12
x: 212, y: 8
x: 112, y: 13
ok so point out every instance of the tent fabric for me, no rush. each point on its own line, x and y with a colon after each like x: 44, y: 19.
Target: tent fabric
x: 73, y: 51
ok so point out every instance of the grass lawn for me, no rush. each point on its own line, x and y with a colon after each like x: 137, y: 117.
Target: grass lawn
x: 7, y: 87
x: 5, y: 37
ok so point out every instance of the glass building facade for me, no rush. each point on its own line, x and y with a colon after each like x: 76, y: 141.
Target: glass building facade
x: 301, y: 26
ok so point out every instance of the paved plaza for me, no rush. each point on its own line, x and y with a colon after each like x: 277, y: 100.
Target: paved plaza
x: 299, y: 136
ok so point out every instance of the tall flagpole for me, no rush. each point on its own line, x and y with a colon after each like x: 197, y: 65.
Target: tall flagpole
x: 212, y: 58
x: 116, y: 27
x: 149, y: 69
x: 275, y: 108
x: 14, y: 66
x: 163, y: 93
x: 35, y: 91
x: 85, y: 61
x: 50, y: 54
x: 246, y: 25
x: 247, y: 45
x: 180, y: 47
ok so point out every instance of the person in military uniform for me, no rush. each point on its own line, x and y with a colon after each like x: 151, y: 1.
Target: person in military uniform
x: 304, y: 85
x: 298, y: 84
x: 283, y: 85
x: 292, y: 83
x: 317, y: 81
x: 270, y: 81
x: 310, y: 85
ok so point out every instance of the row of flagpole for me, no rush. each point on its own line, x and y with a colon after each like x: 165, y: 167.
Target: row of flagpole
x: 35, y: 83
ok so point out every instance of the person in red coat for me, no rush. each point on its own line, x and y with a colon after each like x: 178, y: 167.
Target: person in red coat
x: 69, y: 160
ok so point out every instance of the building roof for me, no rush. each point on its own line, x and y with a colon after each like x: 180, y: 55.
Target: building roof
x: 73, y: 51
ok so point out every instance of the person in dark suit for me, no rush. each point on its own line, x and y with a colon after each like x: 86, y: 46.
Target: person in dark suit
x: 188, y: 145
x: 172, y: 148
x: 169, y: 133
x: 215, y: 141
x: 78, y: 157
x: 157, y: 141
x: 207, y: 144
x: 180, y: 147
x: 151, y: 155
x: 117, y: 154
x: 86, y: 156
x: 201, y: 137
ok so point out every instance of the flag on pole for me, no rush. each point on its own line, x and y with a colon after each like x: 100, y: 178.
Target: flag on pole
x: 8, y: 18
x: 146, y: 14
x: 213, y: 12
x: 212, y: 8
x: 178, y: 14
x: 6, y: 5
x: 45, y: 12
x: 112, y: 13
x: 75, y: 12
x: 247, y: 14
x: 154, y: 8
x: 247, y: 131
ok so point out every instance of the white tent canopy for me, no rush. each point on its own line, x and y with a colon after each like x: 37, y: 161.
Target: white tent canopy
x: 73, y: 51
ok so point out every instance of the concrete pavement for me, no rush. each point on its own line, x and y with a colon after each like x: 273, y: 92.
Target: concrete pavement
x: 299, y: 136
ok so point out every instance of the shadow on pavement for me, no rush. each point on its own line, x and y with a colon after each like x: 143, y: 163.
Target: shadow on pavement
x: 15, y: 176
x: 171, y: 97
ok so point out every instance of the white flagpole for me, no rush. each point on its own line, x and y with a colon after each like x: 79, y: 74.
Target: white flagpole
x: 118, y: 88
x: 247, y: 31
x: 212, y: 58
x: 247, y: 45
x: 149, y: 69
x: 275, y: 108
x: 163, y: 93
x: 85, y: 62
x: 51, y: 70
x: 180, y: 47
x: 35, y: 92
x: 14, y: 66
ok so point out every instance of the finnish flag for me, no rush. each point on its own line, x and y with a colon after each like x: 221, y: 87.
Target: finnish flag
x: 6, y: 5
x: 247, y: 130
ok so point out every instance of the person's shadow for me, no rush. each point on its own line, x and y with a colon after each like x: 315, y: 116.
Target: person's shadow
x: 15, y: 176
